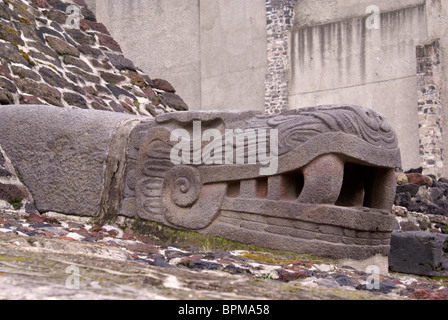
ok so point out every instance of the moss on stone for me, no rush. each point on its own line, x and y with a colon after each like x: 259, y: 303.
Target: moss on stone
x: 27, y: 57
x: 169, y: 236
x: 10, y: 31
x: 11, y: 35
x: 8, y: 258
x: 265, y: 259
x: 53, y: 67
x: 23, y: 20
x: 16, y: 203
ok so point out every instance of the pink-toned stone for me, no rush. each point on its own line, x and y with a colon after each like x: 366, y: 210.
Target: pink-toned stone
x: 419, y: 179
x: 62, y: 47
x: 27, y: 99
x: 163, y: 85
x: 81, y: 3
x: 108, y: 42
x: 41, y: 3
x: 92, y: 25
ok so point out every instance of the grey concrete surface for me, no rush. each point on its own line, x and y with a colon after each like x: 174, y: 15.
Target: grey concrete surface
x: 213, y: 51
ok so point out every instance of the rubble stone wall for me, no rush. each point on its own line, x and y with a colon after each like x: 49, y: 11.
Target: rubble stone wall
x: 279, y: 23
x: 56, y: 52
x: 430, y: 108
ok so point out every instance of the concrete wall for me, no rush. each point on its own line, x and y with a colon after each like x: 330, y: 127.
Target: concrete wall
x: 335, y: 58
x: 311, y: 12
x: 437, y: 18
x: 162, y: 37
x: 233, y: 54
x: 212, y: 51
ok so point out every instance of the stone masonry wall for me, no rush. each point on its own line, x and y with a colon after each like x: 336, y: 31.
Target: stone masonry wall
x: 49, y: 58
x: 279, y: 21
x: 430, y: 108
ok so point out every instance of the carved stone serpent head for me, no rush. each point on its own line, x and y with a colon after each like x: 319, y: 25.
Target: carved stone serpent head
x: 317, y: 180
x: 330, y: 193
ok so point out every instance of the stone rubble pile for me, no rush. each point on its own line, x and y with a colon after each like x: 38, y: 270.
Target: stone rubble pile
x: 33, y: 229
x: 420, y: 243
x: 47, y: 59
x: 12, y: 191
x: 421, y: 202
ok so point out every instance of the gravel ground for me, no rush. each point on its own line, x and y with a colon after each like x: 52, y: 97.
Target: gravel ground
x: 60, y: 257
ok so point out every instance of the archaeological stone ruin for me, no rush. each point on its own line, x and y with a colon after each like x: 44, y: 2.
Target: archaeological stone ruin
x: 330, y: 194
x: 315, y: 168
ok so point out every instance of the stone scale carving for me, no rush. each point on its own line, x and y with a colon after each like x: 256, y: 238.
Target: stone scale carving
x: 317, y: 180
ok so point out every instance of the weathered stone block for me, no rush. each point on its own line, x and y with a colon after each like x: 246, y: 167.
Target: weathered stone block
x: 120, y: 62
x: 41, y: 3
x: 173, y: 100
x: 40, y: 90
x: 6, y: 97
x: 89, y: 51
x: 53, y: 78
x: 11, y: 53
x: 76, y: 100
x: 78, y: 63
x: 108, y: 42
x: 112, y: 78
x: 10, y: 35
x: 419, y: 252
x: 410, y: 187
x: 44, y: 53
x: 163, y: 85
x: 62, y: 47
x: 81, y: 37
x: 8, y: 85
x: 26, y: 99
x: 88, y: 14
x: 117, y: 91
x: 25, y: 73
x: 58, y: 4
x: 85, y: 75
x: 12, y: 192
x: 87, y: 24
x: 419, y: 179
x: 61, y: 154
x: 51, y: 32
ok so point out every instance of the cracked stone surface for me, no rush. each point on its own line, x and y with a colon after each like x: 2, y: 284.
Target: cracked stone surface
x: 38, y: 254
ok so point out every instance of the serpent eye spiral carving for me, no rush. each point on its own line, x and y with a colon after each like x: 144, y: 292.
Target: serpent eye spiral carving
x: 187, y: 202
x: 183, y: 185
x: 173, y: 194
